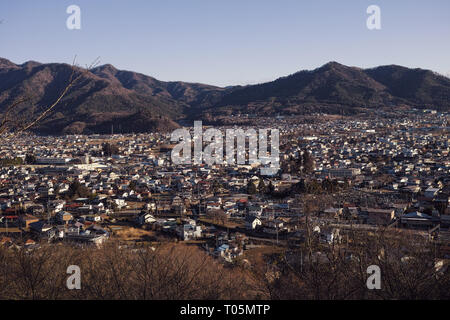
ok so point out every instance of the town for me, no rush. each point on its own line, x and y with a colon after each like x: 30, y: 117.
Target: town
x: 339, y: 174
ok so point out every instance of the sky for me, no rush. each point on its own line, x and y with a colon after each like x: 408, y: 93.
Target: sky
x: 233, y: 42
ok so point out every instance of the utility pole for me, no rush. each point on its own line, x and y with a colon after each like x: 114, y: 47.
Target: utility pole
x: 301, y: 261
x: 277, y: 231
x: 48, y: 212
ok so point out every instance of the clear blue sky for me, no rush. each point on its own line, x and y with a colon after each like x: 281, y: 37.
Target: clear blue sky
x: 228, y: 42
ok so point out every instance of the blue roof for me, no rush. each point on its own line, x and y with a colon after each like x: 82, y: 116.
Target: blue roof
x: 417, y: 214
x: 223, y: 247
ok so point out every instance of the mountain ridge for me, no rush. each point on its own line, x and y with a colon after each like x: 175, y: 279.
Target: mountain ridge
x: 106, y: 95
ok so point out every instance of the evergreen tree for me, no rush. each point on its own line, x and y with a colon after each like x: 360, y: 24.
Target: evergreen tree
x: 270, y: 188
x: 30, y: 159
x: 308, y: 162
x: 251, y: 188
x: 262, y: 188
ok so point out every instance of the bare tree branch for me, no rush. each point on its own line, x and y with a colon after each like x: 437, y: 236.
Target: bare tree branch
x: 7, y: 123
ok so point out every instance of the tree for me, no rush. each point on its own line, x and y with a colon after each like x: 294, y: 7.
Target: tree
x: 30, y: 158
x: 216, y: 186
x: 251, y: 188
x: 76, y: 190
x: 110, y: 149
x: 270, y: 188
x: 132, y: 185
x: 109, y: 272
x: 12, y: 124
x: 11, y: 162
x: 308, y: 162
x: 262, y: 188
x: 217, y: 216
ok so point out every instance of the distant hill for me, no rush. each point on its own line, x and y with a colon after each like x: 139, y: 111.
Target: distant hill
x: 102, y: 97
x: 107, y: 97
x: 335, y: 87
x: 416, y: 87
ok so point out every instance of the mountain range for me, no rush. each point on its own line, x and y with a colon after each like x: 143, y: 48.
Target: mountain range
x: 105, y: 97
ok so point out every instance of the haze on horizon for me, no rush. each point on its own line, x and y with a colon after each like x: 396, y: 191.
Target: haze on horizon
x: 228, y: 43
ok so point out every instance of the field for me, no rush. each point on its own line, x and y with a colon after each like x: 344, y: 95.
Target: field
x: 133, y: 234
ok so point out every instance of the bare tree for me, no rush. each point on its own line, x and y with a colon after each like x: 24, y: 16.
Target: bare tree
x: 11, y: 125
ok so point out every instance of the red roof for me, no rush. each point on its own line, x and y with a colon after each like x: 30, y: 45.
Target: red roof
x: 73, y: 205
x: 5, y: 240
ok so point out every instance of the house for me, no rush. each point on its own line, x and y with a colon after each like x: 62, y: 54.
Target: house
x: 145, y: 218
x: 27, y: 219
x: 43, y: 229
x: 399, y: 208
x: 87, y: 237
x: 189, y: 231
x: 213, y: 206
x: 120, y: 203
x: 333, y: 212
x: 330, y: 236
x: 411, y: 189
x: 35, y: 208
x: 255, y: 210
x: 379, y: 216
x: 252, y: 222
x: 64, y: 217
x: 431, y: 192
x: 343, y: 172
x: 221, y: 250
x: 351, y: 212
x: 6, y: 241
x: 416, y: 220
x: 30, y: 244
x: 60, y: 231
x: 274, y: 226
x: 178, y: 206
x: 57, y: 205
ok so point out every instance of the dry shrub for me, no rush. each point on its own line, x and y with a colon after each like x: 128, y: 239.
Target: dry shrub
x: 114, y: 272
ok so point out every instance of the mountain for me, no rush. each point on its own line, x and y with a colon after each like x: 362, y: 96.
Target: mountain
x: 106, y: 97
x: 102, y: 97
x: 416, y: 87
x: 188, y: 94
x: 335, y: 87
